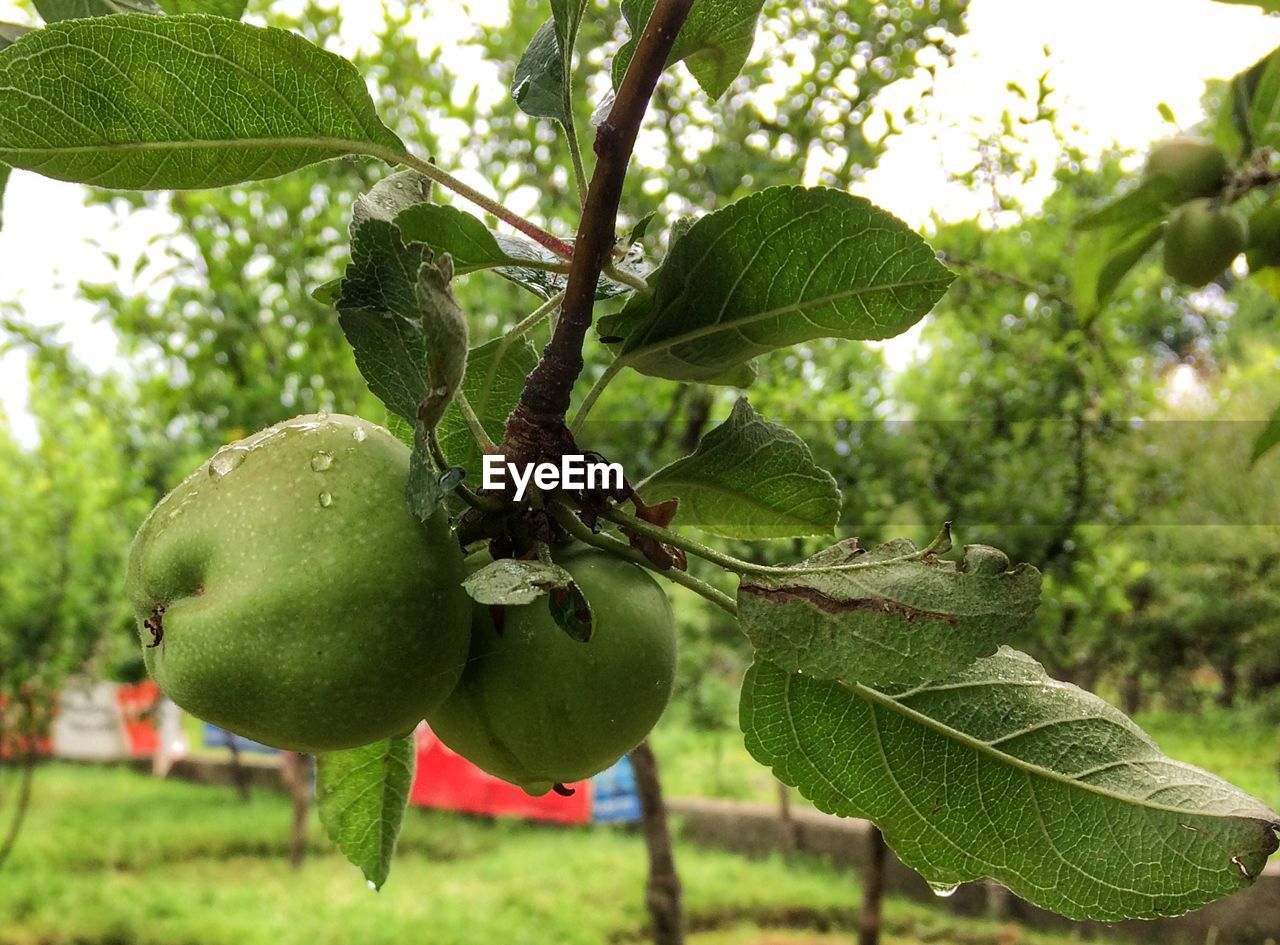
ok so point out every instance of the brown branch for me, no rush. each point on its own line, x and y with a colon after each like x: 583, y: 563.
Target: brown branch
x: 536, y: 427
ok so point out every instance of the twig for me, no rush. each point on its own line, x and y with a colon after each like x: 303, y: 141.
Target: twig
x: 579, y: 530
x: 539, y: 416
x: 447, y: 180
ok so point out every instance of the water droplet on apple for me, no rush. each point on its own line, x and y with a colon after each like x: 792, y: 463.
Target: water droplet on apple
x: 359, y: 435
x: 326, y: 500
x: 321, y: 461
x: 322, y: 415
x: 226, y: 460
x: 943, y: 890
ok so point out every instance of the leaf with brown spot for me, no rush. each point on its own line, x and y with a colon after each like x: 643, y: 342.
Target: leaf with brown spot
x: 891, y: 615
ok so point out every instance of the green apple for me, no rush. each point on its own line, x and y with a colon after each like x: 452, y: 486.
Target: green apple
x: 284, y: 591
x: 1198, y: 167
x: 536, y: 707
x: 1202, y: 240
x: 1264, y: 236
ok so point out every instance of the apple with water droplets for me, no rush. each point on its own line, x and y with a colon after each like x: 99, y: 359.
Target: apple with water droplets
x: 285, y: 592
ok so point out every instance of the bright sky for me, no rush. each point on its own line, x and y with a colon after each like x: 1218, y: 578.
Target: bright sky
x: 1113, y: 62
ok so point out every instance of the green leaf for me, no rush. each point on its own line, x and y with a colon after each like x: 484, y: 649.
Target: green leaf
x: 543, y: 76
x: 327, y: 292
x: 1150, y: 202
x: 714, y: 42
x: 510, y: 582
x: 889, y: 615
x: 1105, y: 257
x: 1002, y: 771
x: 449, y: 230
x: 495, y: 375
x: 390, y: 196
x: 782, y: 266
x: 231, y: 9
x: 446, y: 336
x: 567, y: 15
x: 749, y: 478
x: 1270, y: 6
x: 474, y: 246
x: 362, y: 794
x: 4, y: 180
x: 10, y: 33
x: 1258, y: 96
x: 150, y: 103
x: 538, y: 84
x: 400, y: 317
x: 53, y: 11
x: 424, y: 491
x: 1268, y: 439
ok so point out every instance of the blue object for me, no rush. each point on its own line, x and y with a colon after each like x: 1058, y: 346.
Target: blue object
x: 215, y: 737
x: 614, y: 799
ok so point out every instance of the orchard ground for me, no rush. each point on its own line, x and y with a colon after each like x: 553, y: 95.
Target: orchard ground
x: 114, y: 856
x: 111, y: 855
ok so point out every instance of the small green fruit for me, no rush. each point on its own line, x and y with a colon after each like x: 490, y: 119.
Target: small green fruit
x: 1264, y: 237
x: 536, y: 707
x: 1202, y: 240
x: 285, y: 592
x: 1198, y: 167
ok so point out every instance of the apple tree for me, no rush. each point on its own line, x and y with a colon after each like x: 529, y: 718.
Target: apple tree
x: 882, y: 686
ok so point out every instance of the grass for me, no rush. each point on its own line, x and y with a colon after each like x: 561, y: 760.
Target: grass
x: 113, y: 856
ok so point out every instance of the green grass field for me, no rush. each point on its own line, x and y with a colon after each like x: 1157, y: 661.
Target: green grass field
x: 113, y: 856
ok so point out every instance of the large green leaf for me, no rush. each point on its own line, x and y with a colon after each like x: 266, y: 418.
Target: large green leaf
x: 149, y: 102
x: 886, y: 616
x: 1002, y: 771
x: 495, y: 375
x: 232, y: 9
x: 396, y: 310
x: 1268, y: 439
x: 362, y: 794
x: 714, y: 42
x: 749, y: 478
x: 54, y: 11
x: 782, y: 266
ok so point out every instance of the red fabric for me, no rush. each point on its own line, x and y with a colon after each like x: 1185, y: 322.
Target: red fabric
x: 13, y: 745
x: 447, y: 781
x: 137, y: 705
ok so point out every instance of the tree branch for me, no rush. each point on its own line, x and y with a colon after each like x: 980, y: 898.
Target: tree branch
x: 537, y: 425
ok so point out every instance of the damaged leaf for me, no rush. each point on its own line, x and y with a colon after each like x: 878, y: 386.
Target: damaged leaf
x: 889, y: 615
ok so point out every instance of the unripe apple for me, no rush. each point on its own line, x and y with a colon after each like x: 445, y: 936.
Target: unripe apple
x: 284, y: 591
x: 1264, y: 236
x: 536, y: 707
x: 1198, y: 167
x: 1201, y: 241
